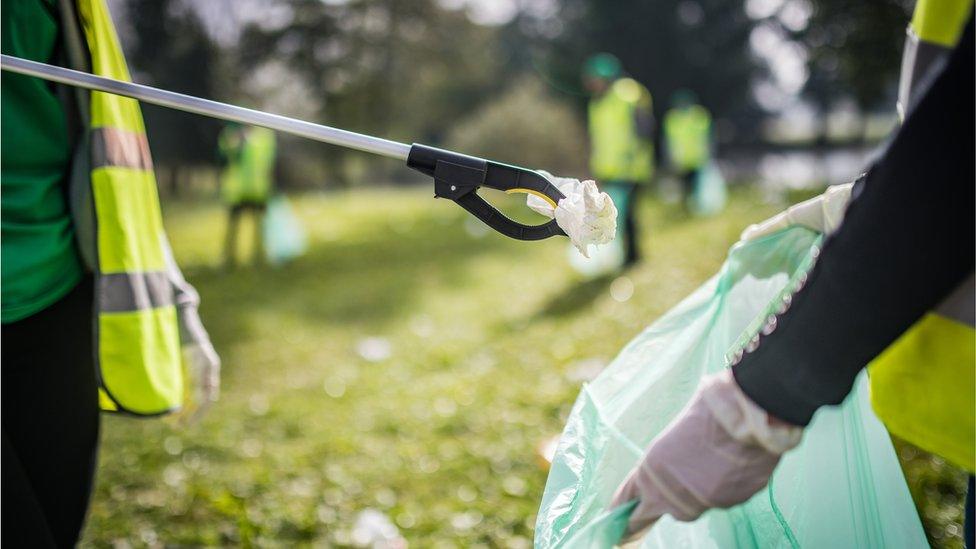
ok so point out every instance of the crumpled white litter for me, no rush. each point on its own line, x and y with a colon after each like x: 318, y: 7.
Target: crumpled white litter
x: 586, y: 215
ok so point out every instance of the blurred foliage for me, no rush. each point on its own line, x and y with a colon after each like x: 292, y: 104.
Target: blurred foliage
x: 402, y: 70
x: 939, y: 491
x: 855, y: 50
x: 168, y: 47
x: 667, y: 45
x: 411, y: 363
x: 524, y: 125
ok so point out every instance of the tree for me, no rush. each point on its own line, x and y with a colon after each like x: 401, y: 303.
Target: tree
x: 168, y: 47
x: 856, y: 50
x: 701, y: 45
x: 404, y: 70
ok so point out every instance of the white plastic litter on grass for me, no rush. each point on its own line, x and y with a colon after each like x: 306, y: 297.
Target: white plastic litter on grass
x: 375, y: 530
x: 587, y: 215
x: 374, y: 349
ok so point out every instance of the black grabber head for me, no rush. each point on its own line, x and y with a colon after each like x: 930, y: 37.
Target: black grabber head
x: 457, y: 177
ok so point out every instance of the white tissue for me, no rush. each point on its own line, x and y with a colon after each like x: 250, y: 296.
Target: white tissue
x: 586, y: 215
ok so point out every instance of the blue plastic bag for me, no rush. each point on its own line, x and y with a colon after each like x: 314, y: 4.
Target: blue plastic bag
x: 284, y: 235
x: 842, y: 487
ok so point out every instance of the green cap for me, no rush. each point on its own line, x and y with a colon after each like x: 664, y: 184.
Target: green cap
x: 602, y: 65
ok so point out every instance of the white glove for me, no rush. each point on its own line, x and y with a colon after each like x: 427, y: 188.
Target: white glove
x: 823, y: 213
x: 201, y: 362
x: 718, y: 452
x: 586, y: 215
x: 203, y: 373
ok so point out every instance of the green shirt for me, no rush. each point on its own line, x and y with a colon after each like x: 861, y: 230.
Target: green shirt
x: 39, y: 263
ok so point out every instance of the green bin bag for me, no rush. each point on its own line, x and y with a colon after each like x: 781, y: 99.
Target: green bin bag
x: 284, y: 235
x: 710, y: 194
x: 842, y: 487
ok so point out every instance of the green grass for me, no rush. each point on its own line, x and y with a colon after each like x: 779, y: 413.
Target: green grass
x: 485, y: 336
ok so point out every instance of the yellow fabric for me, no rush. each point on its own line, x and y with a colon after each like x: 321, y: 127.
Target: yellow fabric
x: 129, y: 220
x: 105, y: 401
x: 138, y: 350
x: 922, y: 388
x: 107, y: 60
x: 688, y: 133
x: 135, y: 350
x: 617, y: 151
x: 941, y: 21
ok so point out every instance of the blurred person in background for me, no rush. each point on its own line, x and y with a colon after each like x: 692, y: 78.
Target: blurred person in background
x: 892, y: 290
x: 621, y: 128
x: 246, y: 183
x: 94, y: 310
x: 687, y: 134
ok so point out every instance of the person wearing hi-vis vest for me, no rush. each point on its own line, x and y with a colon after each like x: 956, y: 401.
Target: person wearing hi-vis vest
x: 688, y: 136
x: 621, y: 127
x: 95, y: 313
x: 892, y: 290
x: 246, y: 182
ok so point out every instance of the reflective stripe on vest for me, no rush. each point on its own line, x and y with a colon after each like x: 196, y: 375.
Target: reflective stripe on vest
x: 922, y: 385
x: 138, y: 340
x: 617, y: 151
x: 934, y: 30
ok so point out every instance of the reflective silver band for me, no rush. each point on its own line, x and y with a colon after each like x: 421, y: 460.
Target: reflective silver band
x: 960, y: 305
x: 113, y: 147
x: 126, y: 292
x: 919, y: 56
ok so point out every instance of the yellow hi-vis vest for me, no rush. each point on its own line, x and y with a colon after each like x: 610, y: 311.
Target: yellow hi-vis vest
x: 144, y: 308
x: 688, y: 132
x: 922, y: 386
x: 617, y: 150
x: 250, y: 168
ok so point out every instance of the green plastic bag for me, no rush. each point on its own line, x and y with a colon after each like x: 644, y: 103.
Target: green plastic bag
x: 284, y: 235
x: 842, y: 487
x: 710, y: 194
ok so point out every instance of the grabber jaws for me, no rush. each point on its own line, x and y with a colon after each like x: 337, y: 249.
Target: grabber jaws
x: 457, y: 177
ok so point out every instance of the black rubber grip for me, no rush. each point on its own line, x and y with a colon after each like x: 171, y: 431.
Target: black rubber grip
x: 495, y: 219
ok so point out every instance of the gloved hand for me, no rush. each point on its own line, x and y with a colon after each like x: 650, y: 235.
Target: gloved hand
x: 718, y: 452
x: 203, y: 373
x: 586, y: 215
x: 201, y: 362
x: 823, y: 213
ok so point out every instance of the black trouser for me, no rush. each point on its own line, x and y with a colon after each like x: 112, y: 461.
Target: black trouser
x: 689, y: 180
x: 50, y: 423
x: 257, y: 210
x: 968, y: 526
x: 631, y: 250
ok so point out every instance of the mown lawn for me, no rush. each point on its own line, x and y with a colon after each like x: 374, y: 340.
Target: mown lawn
x: 409, y: 363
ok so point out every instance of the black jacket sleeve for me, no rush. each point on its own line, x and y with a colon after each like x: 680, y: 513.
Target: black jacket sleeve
x: 906, y: 242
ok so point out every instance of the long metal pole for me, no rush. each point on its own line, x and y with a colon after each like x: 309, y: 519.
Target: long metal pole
x: 206, y: 107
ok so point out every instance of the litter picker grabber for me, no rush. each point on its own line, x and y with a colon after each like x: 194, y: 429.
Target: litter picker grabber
x: 457, y: 177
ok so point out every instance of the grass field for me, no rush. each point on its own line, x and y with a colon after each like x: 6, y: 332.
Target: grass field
x: 409, y: 363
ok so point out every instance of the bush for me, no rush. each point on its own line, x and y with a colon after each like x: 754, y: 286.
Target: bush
x: 525, y: 126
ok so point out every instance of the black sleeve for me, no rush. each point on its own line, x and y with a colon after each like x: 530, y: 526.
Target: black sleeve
x: 906, y: 242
